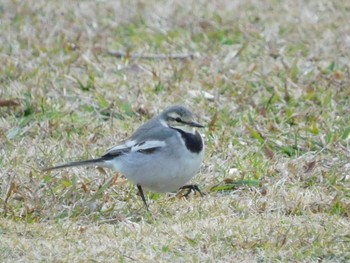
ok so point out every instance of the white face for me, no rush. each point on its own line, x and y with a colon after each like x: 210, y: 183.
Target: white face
x: 180, y: 121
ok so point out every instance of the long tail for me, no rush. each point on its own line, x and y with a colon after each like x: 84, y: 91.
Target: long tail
x: 72, y: 164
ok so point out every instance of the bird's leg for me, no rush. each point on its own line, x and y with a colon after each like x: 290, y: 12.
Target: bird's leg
x: 142, y: 195
x: 190, y: 188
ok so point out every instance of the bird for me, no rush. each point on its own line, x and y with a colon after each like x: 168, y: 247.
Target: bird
x: 162, y: 155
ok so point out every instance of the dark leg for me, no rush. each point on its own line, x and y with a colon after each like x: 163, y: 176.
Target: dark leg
x: 142, y: 195
x: 190, y: 188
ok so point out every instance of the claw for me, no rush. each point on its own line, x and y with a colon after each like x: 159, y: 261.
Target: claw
x: 190, y: 188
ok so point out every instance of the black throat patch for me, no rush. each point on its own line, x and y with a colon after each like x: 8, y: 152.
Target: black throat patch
x: 193, y: 142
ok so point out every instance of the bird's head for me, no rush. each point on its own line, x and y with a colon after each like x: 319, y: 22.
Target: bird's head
x: 179, y: 117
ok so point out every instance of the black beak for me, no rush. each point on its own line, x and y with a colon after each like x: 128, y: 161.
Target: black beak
x: 195, y: 124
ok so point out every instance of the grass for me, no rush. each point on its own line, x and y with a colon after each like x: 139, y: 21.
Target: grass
x: 269, y: 78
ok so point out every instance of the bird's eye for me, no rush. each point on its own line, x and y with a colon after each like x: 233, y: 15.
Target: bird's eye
x: 178, y: 119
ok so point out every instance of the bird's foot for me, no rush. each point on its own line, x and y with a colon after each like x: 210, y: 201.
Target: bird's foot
x: 190, y: 188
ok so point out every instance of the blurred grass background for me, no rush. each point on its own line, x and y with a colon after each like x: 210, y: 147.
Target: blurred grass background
x: 269, y: 78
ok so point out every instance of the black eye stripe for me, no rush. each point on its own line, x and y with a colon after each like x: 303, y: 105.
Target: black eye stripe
x: 178, y: 119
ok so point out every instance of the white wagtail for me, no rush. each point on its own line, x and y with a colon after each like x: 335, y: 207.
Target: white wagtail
x: 162, y: 155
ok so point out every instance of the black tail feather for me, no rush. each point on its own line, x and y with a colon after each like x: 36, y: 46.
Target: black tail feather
x: 73, y: 164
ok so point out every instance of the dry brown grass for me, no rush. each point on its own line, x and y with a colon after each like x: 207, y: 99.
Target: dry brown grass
x: 271, y: 79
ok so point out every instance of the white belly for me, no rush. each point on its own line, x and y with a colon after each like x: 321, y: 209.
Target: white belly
x: 162, y: 171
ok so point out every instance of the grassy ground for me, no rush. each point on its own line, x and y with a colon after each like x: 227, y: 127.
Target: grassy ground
x: 269, y: 78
